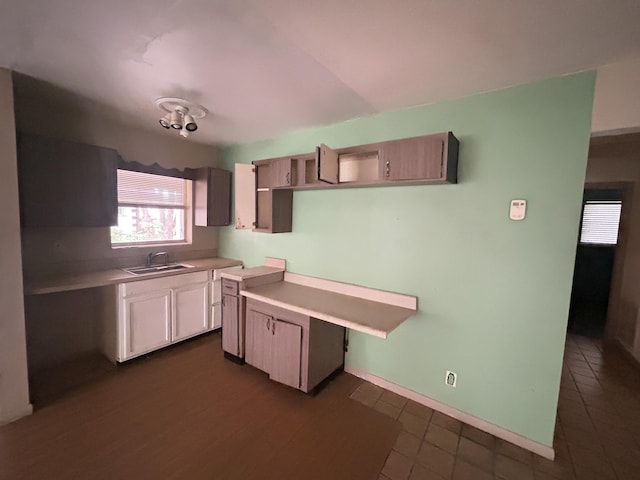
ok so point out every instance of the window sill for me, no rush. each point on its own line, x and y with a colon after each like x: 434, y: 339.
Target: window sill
x: 149, y: 245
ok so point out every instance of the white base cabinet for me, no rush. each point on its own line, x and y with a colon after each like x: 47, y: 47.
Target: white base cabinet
x: 146, y: 323
x: 158, y: 312
x: 190, y: 311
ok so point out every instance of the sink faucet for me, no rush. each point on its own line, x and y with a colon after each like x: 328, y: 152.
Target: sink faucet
x: 153, y: 255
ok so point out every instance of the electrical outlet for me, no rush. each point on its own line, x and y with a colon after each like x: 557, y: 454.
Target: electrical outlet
x: 451, y: 378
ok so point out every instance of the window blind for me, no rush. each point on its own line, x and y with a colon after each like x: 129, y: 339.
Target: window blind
x: 600, y: 222
x: 136, y: 188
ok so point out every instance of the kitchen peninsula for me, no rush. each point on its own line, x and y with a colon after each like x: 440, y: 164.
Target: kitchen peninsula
x: 293, y: 326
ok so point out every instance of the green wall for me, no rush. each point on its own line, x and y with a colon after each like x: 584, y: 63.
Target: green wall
x: 493, y: 293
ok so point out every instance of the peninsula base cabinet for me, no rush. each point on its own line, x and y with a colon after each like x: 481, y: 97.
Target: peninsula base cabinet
x: 294, y: 349
x: 152, y: 314
x: 233, y: 313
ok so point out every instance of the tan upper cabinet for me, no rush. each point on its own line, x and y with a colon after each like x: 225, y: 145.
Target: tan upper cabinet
x: 274, y: 202
x: 428, y: 159
x: 425, y: 159
x: 275, y: 173
x: 418, y: 158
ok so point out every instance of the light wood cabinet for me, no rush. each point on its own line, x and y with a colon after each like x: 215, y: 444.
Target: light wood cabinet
x: 413, y: 159
x: 212, y: 197
x: 276, y: 172
x: 274, y: 205
x: 231, y: 327
x: 293, y: 349
x: 286, y: 353
x: 428, y: 159
x: 66, y: 184
x: 416, y: 160
x: 258, y: 340
x: 234, y: 327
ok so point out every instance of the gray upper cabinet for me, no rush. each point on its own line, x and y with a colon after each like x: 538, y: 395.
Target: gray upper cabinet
x: 413, y: 159
x: 212, y: 197
x: 428, y: 159
x: 66, y: 184
x: 274, y: 198
x: 417, y: 160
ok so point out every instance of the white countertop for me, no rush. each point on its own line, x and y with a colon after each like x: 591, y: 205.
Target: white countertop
x: 367, y: 316
x: 64, y: 283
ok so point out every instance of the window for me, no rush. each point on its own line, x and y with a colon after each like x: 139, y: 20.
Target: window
x: 600, y: 222
x: 151, y: 209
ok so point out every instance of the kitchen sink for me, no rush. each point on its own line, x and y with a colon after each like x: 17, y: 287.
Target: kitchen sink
x: 156, y: 268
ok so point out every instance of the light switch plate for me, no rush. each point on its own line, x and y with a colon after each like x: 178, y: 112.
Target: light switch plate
x: 517, y: 209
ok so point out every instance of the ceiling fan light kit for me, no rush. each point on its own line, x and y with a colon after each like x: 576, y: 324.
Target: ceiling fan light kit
x: 180, y: 114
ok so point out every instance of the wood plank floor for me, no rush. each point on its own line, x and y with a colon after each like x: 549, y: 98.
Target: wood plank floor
x: 186, y: 413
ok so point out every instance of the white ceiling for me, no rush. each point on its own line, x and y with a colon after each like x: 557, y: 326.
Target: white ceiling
x: 266, y: 66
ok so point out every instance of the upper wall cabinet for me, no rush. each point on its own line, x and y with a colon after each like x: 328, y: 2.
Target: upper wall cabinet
x: 276, y: 172
x: 428, y: 159
x: 212, y: 197
x: 66, y: 184
x: 422, y: 158
x: 425, y: 159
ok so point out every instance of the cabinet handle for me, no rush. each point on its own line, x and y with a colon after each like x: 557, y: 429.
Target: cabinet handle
x: 273, y: 328
x: 388, y: 168
x: 268, y: 323
x: 288, y: 178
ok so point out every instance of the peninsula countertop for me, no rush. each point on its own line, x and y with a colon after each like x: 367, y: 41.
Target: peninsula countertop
x: 79, y: 281
x: 367, y: 316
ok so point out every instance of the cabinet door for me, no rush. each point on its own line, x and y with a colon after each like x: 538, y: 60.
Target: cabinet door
x: 230, y: 324
x: 328, y: 164
x: 212, y: 197
x: 216, y: 316
x: 66, y: 184
x: 245, y: 196
x: 147, y: 323
x: 281, y: 173
x: 413, y: 159
x: 190, y: 311
x: 286, y: 353
x: 258, y: 340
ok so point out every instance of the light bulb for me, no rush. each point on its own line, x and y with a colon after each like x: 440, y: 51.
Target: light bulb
x: 176, y: 120
x: 166, y: 121
x: 190, y: 123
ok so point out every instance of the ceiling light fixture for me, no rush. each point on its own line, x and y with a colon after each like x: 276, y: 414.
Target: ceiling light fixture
x: 181, y: 114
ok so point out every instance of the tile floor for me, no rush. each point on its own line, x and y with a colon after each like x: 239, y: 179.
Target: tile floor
x: 597, y: 434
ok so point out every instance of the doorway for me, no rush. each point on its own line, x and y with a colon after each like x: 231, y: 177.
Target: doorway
x: 598, y: 242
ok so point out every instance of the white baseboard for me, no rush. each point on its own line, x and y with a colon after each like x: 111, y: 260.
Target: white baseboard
x: 541, y: 449
x: 12, y: 416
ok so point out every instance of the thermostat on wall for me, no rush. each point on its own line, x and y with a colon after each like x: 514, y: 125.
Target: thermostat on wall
x: 518, y: 209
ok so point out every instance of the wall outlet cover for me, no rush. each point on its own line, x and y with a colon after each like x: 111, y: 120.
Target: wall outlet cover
x: 451, y: 379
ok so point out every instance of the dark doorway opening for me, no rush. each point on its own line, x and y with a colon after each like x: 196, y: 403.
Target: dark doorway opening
x: 595, y: 255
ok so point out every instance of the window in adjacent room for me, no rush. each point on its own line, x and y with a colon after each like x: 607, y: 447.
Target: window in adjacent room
x: 152, y: 209
x: 600, y: 222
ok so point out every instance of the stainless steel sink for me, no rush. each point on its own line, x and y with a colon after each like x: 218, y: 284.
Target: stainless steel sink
x: 156, y: 268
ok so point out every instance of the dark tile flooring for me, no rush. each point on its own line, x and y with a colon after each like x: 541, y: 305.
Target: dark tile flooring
x: 597, y: 434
